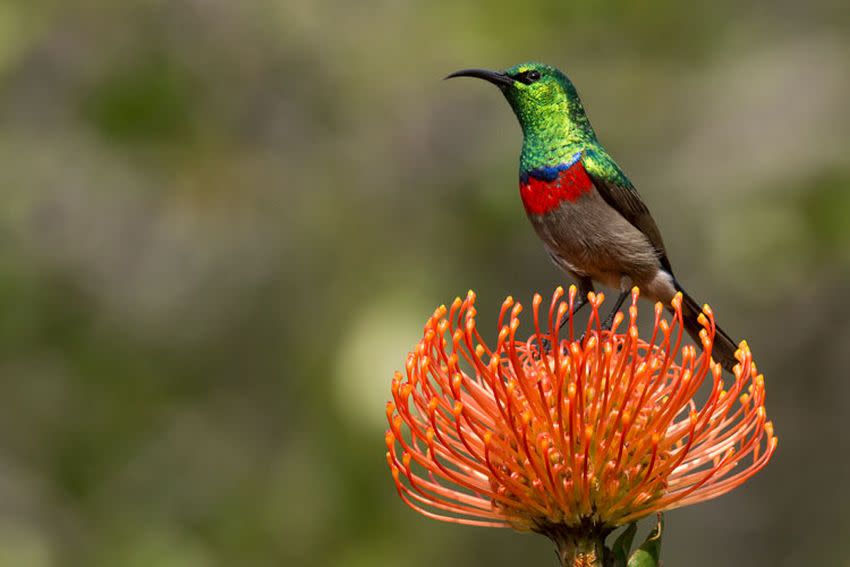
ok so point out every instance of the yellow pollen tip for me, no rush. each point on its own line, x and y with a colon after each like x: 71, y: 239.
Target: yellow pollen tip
x: 562, y: 310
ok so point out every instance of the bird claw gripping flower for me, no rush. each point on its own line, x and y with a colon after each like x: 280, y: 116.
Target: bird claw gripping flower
x: 574, y: 441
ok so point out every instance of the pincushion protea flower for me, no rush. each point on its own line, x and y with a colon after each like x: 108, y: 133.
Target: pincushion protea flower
x: 576, y: 441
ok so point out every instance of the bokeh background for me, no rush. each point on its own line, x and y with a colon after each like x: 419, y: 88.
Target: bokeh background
x: 222, y: 225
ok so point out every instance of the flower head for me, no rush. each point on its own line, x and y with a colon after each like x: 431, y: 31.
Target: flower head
x: 599, y: 431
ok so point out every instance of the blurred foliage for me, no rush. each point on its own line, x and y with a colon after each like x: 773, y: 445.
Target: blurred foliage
x: 147, y: 101
x: 224, y: 222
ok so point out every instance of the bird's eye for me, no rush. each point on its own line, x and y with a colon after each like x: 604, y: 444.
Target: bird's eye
x: 528, y: 77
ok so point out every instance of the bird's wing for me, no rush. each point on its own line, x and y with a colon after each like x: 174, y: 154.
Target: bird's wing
x: 621, y: 195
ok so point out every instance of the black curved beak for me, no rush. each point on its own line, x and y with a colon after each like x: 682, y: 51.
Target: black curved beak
x: 498, y: 79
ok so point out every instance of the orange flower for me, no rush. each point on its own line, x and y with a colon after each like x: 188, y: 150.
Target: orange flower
x: 596, y: 433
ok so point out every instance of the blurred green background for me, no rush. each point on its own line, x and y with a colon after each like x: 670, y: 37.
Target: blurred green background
x: 223, y: 224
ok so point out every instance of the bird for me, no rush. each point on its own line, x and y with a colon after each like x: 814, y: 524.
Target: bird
x: 591, y: 219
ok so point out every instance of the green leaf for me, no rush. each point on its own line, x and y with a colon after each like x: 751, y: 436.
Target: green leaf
x: 649, y: 553
x: 623, y: 544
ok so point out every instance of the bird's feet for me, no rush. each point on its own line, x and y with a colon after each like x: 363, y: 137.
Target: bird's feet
x: 547, y: 346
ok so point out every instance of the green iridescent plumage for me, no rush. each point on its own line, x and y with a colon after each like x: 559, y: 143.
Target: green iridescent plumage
x: 554, y: 124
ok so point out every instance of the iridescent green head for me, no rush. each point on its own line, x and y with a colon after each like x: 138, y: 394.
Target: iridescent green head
x: 547, y: 106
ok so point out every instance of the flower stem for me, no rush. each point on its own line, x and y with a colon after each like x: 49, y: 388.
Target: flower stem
x: 579, y: 547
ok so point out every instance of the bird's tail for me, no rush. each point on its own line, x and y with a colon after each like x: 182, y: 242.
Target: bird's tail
x: 724, y: 347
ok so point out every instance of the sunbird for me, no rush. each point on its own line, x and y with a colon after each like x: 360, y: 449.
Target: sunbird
x: 592, y: 221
